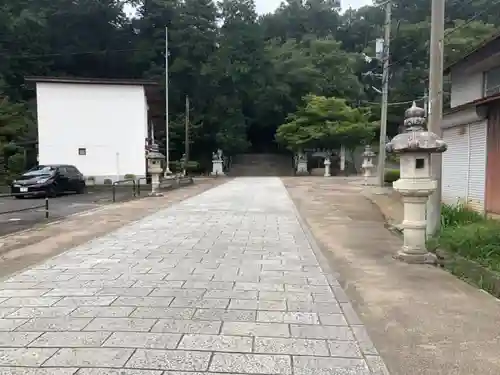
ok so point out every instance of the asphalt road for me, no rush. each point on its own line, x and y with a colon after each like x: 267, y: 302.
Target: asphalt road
x: 59, y: 207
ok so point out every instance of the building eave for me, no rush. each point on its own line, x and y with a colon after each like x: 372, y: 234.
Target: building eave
x: 90, y: 81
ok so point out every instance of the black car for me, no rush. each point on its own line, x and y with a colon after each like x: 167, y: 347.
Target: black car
x: 50, y: 180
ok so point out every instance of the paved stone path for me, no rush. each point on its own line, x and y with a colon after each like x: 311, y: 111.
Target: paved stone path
x: 224, y: 282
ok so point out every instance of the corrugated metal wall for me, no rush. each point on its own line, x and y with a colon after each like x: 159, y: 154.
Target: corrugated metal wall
x: 455, y: 165
x: 464, y: 165
x: 477, y: 165
x: 493, y: 162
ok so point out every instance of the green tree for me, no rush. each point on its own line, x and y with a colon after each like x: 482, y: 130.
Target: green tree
x: 326, y: 123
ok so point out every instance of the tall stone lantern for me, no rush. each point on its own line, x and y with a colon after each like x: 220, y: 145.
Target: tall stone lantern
x: 414, y: 147
x: 217, y: 163
x: 328, y: 163
x: 367, y: 165
x: 155, y: 158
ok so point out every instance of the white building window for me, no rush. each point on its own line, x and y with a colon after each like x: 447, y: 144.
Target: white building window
x: 82, y: 151
x: 492, y: 82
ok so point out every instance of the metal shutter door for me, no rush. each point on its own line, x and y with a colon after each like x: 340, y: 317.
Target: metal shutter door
x: 477, y: 165
x: 455, y: 165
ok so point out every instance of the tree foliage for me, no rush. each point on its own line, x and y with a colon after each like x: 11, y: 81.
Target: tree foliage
x: 244, y: 73
x: 326, y: 123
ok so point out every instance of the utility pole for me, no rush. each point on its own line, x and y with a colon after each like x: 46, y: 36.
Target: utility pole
x: 436, y: 109
x: 186, y: 139
x: 167, y: 148
x: 385, y: 94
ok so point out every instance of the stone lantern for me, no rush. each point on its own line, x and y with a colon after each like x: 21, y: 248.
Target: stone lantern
x: 155, y: 158
x: 217, y: 163
x: 301, y: 163
x: 367, y: 165
x: 414, y: 147
x: 328, y: 162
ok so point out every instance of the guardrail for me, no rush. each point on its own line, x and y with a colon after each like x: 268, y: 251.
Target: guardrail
x: 44, y: 206
x: 113, y: 188
x: 139, y: 184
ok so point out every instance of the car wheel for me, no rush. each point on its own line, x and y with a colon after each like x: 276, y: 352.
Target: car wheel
x: 19, y: 196
x: 81, y: 190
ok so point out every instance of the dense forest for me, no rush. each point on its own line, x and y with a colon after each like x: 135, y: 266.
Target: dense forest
x: 244, y: 73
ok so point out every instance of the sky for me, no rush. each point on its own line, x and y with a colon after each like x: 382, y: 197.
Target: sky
x: 268, y: 6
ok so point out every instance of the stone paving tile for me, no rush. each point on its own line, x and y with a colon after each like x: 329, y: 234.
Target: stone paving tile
x: 169, y: 360
x: 186, y: 326
x: 256, y: 329
x: 120, y: 324
x: 329, y: 366
x: 162, y: 312
x: 30, y: 302
x: 70, y: 339
x: 11, y: 324
x: 89, y: 357
x: 272, y: 345
x: 144, y: 340
x: 345, y: 349
x: 225, y: 315
x: 54, y: 324
x: 218, y: 343
x: 107, y: 371
x: 251, y: 364
x: 102, y: 312
x: 322, y: 332
x: 40, y: 312
x: 7, y: 293
x: 143, y: 301
x: 287, y: 317
x: 25, y: 357
x: 17, y: 339
x: 225, y: 282
x: 166, y: 292
x: 37, y: 371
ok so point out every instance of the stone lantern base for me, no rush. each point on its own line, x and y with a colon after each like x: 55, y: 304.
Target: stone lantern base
x: 415, y: 193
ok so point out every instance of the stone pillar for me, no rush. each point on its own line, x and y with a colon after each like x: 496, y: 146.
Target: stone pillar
x: 327, y: 166
x: 154, y: 167
x: 301, y: 161
x: 367, y: 165
x: 414, y: 147
x: 217, y: 163
x: 342, y: 159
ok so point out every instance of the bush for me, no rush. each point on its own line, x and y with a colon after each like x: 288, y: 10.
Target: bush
x: 108, y: 181
x: 459, y: 214
x: 478, y: 241
x: 129, y: 176
x: 192, y: 166
x: 391, y: 175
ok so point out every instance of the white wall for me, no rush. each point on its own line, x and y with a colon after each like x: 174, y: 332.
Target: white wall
x: 109, y: 121
x: 466, y: 87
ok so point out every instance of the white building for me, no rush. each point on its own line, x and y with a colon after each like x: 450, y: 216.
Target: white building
x: 471, y: 128
x: 100, y: 126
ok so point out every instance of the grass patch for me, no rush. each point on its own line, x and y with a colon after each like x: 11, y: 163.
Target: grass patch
x: 391, y: 175
x: 466, y: 235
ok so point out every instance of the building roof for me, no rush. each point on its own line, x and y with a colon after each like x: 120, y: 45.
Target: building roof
x: 480, y: 46
x: 96, y: 81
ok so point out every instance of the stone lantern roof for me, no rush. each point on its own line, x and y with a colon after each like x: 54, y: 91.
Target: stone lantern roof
x: 415, y: 137
x: 368, y: 152
x: 154, y: 153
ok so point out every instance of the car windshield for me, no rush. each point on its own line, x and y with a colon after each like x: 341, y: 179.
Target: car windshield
x: 41, y: 170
